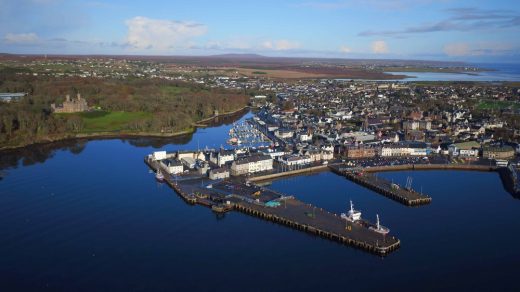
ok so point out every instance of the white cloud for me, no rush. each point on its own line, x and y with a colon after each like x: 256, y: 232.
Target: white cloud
x: 345, y: 49
x: 21, y: 38
x: 160, y: 34
x: 457, y: 49
x: 280, y: 45
x: 379, y: 47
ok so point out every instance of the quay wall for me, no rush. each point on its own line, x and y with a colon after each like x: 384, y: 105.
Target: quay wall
x: 288, y: 173
x: 431, y: 167
x: 379, y: 250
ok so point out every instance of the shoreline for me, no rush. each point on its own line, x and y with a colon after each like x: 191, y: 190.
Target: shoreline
x: 121, y: 134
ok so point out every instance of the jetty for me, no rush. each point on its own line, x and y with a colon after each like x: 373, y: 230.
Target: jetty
x: 402, y: 194
x: 245, y: 197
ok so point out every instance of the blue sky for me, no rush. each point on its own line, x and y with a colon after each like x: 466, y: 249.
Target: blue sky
x: 406, y: 29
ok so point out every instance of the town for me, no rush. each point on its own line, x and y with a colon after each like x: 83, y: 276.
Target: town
x: 353, y: 129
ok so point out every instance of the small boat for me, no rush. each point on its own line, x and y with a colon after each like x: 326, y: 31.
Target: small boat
x: 159, y: 176
x: 379, y: 228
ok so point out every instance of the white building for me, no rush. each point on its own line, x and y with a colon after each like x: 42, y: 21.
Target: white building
x: 189, y: 162
x: 159, y: 155
x: 219, y: 173
x: 222, y: 157
x: 305, y: 137
x: 327, y: 155
x: 251, y: 164
x: 291, y: 160
x: 172, y: 166
x: 283, y: 134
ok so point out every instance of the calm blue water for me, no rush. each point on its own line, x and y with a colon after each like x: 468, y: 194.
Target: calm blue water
x: 503, y: 72
x: 89, y: 216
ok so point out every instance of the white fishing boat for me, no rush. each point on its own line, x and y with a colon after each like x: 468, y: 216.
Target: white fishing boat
x: 352, y: 215
x: 379, y: 228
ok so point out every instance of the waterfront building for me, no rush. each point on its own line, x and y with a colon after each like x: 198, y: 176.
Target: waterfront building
x: 219, y: 173
x: 405, y: 149
x: 189, y: 162
x: 503, y: 152
x: 464, y: 149
x: 197, y: 155
x: 251, y: 164
x: 222, y: 157
x: 354, y: 152
x: 172, y: 166
x: 292, y: 160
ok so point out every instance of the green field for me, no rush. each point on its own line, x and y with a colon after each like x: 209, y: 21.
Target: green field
x: 498, y: 104
x: 100, y: 121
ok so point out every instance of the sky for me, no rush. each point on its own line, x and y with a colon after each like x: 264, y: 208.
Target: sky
x: 465, y: 30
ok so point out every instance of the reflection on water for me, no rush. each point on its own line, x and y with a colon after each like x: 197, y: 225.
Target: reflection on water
x: 39, y: 153
x: 34, y: 154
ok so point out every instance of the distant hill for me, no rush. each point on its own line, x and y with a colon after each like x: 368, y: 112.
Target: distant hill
x: 243, y: 60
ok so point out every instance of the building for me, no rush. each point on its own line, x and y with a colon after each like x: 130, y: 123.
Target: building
x: 406, y: 149
x: 71, y: 105
x: 355, y: 152
x: 222, y: 157
x: 197, y: 155
x: 464, y: 149
x: 327, y: 155
x: 219, y: 173
x: 8, y: 96
x: 251, y: 164
x: 159, y: 155
x: 189, y: 162
x: 172, y: 166
x: 283, y: 133
x: 409, y: 125
x: 291, y: 160
x: 504, y: 152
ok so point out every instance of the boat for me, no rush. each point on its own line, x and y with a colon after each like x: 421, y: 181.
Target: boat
x: 352, y: 215
x: 379, y: 228
x: 159, y: 176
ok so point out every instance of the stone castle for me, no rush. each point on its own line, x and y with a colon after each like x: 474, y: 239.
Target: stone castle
x: 71, y: 105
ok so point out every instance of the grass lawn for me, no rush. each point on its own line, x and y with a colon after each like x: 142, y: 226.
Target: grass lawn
x: 100, y: 121
x: 498, y: 104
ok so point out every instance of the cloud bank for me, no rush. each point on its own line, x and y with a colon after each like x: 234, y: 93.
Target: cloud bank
x: 162, y: 35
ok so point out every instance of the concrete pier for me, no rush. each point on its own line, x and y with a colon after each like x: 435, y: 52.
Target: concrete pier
x: 251, y: 199
x: 388, y: 189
